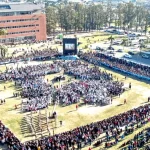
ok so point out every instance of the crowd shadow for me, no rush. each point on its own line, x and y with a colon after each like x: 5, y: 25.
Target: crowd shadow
x: 119, y: 104
x: 145, y: 102
x: 71, y: 111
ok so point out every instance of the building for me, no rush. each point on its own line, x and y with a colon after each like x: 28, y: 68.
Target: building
x: 23, y: 22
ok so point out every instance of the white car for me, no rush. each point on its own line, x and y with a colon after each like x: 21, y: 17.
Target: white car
x: 147, y: 46
x: 120, y: 50
x: 145, y: 56
x: 134, y: 49
x: 127, y: 56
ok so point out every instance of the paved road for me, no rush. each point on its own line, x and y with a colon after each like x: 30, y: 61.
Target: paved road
x: 139, y: 59
x: 135, y: 58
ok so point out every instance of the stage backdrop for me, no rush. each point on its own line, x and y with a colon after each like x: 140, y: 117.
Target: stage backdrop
x: 69, y: 46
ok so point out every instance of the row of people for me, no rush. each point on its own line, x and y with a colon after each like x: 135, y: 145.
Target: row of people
x: 139, y: 140
x: 128, y: 66
x: 44, y: 54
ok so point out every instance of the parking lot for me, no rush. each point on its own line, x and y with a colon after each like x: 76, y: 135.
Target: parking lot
x: 137, y: 57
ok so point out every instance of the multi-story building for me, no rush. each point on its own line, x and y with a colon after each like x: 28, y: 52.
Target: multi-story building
x: 22, y: 21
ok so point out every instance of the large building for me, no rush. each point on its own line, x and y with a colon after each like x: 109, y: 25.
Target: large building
x: 22, y: 22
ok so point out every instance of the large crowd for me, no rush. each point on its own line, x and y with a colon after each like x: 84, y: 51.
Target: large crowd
x: 78, y: 137
x: 35, y: 88
x: 84, y: 70
x: 36, y: 91
x: 128, y: 66
x: 96, y: 86
x: 140, y: 139
x: 7, y: 137
x: 91, y: 91
x: 32, y: 55
x: 29, y: 71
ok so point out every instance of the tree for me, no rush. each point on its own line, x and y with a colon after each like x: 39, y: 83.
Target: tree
x: 109, y: 13
x: 51, y: 18
x: 111, y: 40
x: 124, y: 41
x: 129, y: 15
x: 119, y: 15
x: 77, y: 17
x: 3, y: 32
x: 3, y: 51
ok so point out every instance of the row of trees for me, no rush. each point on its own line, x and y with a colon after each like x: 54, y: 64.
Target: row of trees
x: 82, y: 17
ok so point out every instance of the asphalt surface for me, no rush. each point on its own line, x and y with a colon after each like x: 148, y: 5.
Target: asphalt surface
x: 138, y: 59
x: 135, y: 58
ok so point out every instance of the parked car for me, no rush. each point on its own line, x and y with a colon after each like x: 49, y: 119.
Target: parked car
x: 111, y: 52
x: 110, y: 48
x: 147, y: 46
x: 98, y: 48
x: 120, y: 50
x: 131, y: 53
x: 145, y: 56
x: 117, y: 42
x: 127, y: 56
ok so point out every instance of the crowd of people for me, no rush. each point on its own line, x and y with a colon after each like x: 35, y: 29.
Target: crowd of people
x: 30, y: 71
x: 44, y: 54
x: 97, y: 87
x: 138, y: 141
x: 91, y: 91
x: 7, y: 137
x: 84, y: 135
x: 84, y: 70
x: 36, y: 92
x: 128, y: 66
x: 80, y: 136
x: 35, y: 88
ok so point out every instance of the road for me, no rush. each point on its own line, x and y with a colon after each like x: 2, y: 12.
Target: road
x: 135, y: 58
x: 138, y: 59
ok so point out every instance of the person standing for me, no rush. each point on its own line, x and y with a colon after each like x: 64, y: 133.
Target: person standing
x: 129, y: 85
x: 149, y: 99
x: 125, y: 101
x: 77, y: 107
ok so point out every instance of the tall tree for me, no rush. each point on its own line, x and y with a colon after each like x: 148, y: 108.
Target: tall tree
x: 111, y: 40
x: 3, y: 51
x: 74, y: 16
x: 51, y: 16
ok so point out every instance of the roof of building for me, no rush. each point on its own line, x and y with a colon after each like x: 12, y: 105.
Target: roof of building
x: 20, y: 7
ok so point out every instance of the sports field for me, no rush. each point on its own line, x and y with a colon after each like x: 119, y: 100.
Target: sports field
x: 13, y: 118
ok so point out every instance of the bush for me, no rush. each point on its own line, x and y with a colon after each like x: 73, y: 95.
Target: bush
x: 86, y: 47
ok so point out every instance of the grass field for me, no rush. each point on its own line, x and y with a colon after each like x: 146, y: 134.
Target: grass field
x: 12, y: 117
